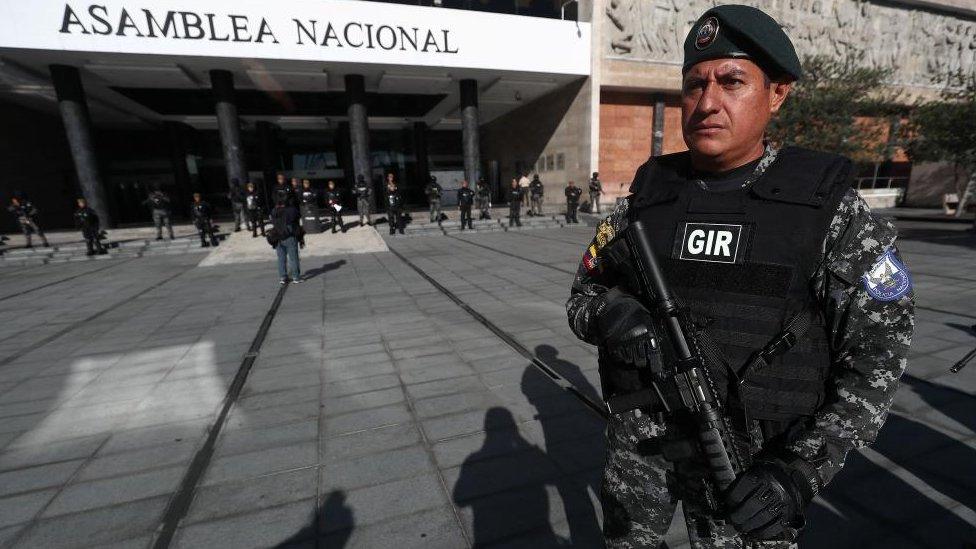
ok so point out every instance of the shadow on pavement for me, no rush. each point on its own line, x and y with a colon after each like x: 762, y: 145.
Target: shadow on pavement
x: 333, y: 515
x: 312, y: 273
x: 537, y: 494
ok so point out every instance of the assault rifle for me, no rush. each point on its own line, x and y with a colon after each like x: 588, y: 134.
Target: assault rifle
x: 690, y: 374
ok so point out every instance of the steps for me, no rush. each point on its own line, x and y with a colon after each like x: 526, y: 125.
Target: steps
x: 27, y: 257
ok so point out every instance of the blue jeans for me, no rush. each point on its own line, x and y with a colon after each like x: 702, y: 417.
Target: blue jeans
x: 288, y: 257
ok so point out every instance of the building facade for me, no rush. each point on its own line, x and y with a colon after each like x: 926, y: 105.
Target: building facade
x: 110, y: 99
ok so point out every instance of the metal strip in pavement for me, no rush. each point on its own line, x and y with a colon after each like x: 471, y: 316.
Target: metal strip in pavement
x: 541, y: 264
x: 179, y: 504
x: 49, y: 284
x: 33, y: 347
x: 595, y: 407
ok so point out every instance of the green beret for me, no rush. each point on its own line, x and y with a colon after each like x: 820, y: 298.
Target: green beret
x: 742, y: 31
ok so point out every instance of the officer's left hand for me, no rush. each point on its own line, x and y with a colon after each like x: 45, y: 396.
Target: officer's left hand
x: 767, y: 500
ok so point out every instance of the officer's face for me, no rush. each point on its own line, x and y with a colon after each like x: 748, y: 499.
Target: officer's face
x: 725, y: 107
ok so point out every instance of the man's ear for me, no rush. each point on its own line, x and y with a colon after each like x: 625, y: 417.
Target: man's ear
x: 778, y: 93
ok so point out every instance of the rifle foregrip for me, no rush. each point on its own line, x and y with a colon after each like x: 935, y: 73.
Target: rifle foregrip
x: 713, y: 449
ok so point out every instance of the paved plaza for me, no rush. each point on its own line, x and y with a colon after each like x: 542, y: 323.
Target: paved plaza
x: 431, y: 395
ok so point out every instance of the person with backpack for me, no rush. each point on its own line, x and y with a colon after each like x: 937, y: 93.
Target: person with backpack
x: 288, y: 237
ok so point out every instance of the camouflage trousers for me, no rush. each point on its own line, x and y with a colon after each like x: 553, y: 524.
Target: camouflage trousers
x: 638, y: 493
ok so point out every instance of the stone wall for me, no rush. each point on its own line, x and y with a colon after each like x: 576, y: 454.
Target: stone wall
x: 921, y: 45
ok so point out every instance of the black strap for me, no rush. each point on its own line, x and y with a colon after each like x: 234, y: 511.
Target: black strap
x: 781, y: 342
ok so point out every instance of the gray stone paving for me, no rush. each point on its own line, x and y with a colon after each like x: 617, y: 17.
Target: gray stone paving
x: 379, y: 413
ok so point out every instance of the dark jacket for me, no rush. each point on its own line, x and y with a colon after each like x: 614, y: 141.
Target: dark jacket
x: 394, y: 200
x: 253, y: 201
x: 514, y: 196
x: 433, y: 191
x: 465, y: 197
x: 157, y: 201
x: 284, y: 192
x: 87, y: 220
x: 202, y: 213
x: 573, y: 194
x: 333, y: 197
x: 287, y: 221
x: 536, y: 188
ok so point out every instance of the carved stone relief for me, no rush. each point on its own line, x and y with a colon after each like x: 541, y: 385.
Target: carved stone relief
x: 921, y: 46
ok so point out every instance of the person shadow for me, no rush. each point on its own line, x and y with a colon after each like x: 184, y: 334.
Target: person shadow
x: 312, y: 273
x: 333, y: 516
x: 911, y: 493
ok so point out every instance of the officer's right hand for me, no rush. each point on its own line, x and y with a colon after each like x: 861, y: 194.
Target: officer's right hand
x: 626, y: 329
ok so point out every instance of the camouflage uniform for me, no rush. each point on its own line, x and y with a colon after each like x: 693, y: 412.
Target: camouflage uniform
x: 870, y: 345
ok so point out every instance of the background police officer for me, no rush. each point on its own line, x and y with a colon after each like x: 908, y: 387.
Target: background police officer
x: 596, y: 189
x: 159, y: 203
x: 87, y: 220
x: 333, y: 201
x: 537, y: 189
x: 764, y: 247
x: 283, y: 191
x: 394, y: 206
x: 483, y: 198
x: 309, y: 201
x: 254, y: 206
x: 572, y: 201
x: 465, y: 201
x: 26, y: 214
x: 364, y: 199
x: 236, y: 196
x: 433, y: 190
x: 514, y: 196
x: 202, y: 215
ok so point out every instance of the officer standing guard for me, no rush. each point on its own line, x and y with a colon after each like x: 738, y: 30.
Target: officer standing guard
x: 364, y: 199
x: 333, y: 201
x: 203, y: 220
x: 433, y: 192
x: 394, y: 206
x: 596, y: 189
x: 26, y: 215
x: 794, y: 289
x: 514, y: 196
x: 465, y: 201
x: 255, y: 210
x: 537, y: 189
x: 282, y: 191
x: 159, y: 203
x: 309, y: 200
x: 483, y: 196
x: 572, y: 201
x: 236, y: 197
x: 87, y: 220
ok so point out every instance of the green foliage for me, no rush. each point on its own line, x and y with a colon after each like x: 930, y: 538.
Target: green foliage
x: 821, y: 111
x: 944, y: 130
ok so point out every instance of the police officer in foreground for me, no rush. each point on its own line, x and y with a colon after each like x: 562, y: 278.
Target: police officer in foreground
x: 782, y: 266
x: 87, y: 220
x: 572, y: 201
x: 159, y: 203
x: 596, y: 189
x: 537, y: 189
x: 254, y: 205
x: 433, y: 190
x: 26, y: 214
x: 202, y: 215
x: 364, y: 199
x: 483, y: 197
x: 465, y: 201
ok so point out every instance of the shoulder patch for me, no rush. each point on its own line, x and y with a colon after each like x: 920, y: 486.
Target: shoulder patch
x: 888, y: 279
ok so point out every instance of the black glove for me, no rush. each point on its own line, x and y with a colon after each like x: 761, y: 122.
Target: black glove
x: 626, y: 328
x: 769, y: 498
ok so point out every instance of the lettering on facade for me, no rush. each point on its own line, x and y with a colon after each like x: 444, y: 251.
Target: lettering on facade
x: 921, y: 46
x: 185, y: 25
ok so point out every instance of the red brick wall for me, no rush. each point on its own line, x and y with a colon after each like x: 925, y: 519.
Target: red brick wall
x: 626, y: 120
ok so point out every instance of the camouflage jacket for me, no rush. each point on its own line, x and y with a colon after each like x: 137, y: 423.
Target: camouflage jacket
x: 870, y: 338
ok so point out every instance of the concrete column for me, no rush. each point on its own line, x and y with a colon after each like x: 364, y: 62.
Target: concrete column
x: 657, y: 139
x: 176, y: 135
x: 358, y: 126
x: 77, y: 126
x: 228, y: 124
x: 420, y: 150
x: 469, y: 131
x: 268, y: 150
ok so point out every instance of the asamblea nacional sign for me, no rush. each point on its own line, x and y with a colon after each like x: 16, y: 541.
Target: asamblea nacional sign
x: 313, y: 30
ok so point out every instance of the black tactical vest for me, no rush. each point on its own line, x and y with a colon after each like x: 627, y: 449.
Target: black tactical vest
x: 742, y: 262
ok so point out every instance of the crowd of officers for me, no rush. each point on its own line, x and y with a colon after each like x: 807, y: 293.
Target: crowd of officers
x: 250, y: 211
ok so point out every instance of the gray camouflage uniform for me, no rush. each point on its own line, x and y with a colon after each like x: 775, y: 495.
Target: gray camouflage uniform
x: 870, y: 348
